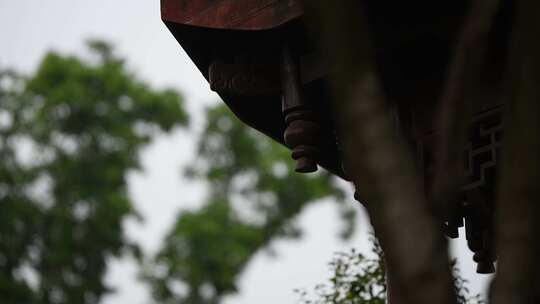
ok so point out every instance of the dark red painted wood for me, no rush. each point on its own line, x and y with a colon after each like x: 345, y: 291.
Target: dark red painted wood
x: 231, y: 14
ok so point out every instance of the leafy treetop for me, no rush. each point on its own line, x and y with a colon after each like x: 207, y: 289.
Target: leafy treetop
x: 68, y: 135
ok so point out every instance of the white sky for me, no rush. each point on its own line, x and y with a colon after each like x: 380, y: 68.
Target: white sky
x: 28, y: 28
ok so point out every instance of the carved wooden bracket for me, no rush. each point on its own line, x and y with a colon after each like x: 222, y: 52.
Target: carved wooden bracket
x: 244, y: 79
x: 261, y: 79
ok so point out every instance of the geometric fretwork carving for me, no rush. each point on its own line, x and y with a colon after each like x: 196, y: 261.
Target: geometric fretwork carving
x: 474, y: 209
x: 482, y: 149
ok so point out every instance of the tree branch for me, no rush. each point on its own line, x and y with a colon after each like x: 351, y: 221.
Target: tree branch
x: 518, y: 206
x: 456, y: 105
x: 378, y: 161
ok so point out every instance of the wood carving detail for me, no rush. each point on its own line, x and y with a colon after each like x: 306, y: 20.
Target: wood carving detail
x: 244, y: 79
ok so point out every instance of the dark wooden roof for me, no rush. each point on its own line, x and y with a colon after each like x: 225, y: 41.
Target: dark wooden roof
x: 231, y: 14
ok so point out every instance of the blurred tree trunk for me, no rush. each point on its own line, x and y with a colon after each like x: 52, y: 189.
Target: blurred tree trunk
x: 378, y: 161
x: 456, y: 105
x: 519, y: 196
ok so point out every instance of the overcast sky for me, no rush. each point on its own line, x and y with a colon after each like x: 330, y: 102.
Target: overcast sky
x: 29, y: 28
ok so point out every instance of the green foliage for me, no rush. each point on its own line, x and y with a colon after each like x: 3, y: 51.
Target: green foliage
x: 463, y: 294
x: 357, y: 279
x: 68, y: 135
x: 253, y: 197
